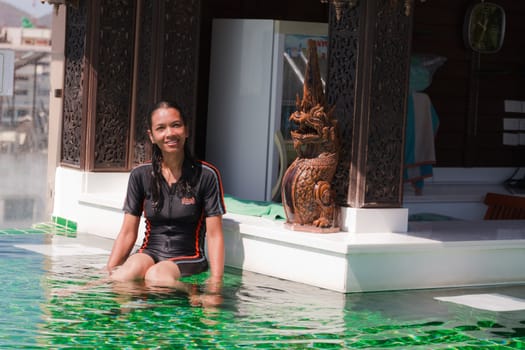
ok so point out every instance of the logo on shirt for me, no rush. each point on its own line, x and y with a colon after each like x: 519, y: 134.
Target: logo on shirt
x: 188, y: 201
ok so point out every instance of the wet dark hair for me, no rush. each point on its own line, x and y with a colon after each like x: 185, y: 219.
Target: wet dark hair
x: 185, y: 186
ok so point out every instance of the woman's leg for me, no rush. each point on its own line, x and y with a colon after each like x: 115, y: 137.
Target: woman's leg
x: 167, y: 274
x: 163, y: 274
x: 134, y: 268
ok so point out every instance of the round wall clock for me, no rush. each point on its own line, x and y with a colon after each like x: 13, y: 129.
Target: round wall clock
x: 484, y: 28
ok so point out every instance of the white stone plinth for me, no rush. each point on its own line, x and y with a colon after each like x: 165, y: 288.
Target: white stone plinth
x: 364, y: 220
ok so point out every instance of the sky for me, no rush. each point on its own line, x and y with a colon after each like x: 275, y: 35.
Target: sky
x: 33, y: 7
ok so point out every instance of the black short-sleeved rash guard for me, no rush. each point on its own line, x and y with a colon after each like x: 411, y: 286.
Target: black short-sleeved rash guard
x: 178, y: 230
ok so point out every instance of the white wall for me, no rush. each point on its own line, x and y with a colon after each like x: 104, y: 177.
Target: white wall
x: 93, y: 200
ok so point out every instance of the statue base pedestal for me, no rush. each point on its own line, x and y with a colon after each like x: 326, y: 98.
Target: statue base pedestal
x: 366, y: 220
x: 310, y: 228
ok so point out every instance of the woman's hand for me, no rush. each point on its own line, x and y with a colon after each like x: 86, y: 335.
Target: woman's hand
x: 213, y: 285
x: 206, y: 300
x: 109, y: 270
x: 211, y: 297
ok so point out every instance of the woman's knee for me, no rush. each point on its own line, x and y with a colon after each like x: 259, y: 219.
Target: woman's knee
x: 163, y: 273
x: 134, y: 268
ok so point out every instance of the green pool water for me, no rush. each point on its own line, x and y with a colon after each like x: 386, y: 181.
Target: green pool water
x: 257, y: 312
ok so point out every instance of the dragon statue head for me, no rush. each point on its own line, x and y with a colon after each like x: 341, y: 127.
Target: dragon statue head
x: 315, y: 127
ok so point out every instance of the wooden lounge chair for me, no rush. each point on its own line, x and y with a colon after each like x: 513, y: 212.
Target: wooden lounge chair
x: 504, y: 207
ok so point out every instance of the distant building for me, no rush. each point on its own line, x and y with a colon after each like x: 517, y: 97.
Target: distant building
x: 30, y: 100
x: 32, y: 39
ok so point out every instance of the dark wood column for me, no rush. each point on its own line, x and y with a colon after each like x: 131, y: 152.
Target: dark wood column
x: 368, y: 83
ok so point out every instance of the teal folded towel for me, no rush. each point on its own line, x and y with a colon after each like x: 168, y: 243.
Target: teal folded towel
x: 269, y: 210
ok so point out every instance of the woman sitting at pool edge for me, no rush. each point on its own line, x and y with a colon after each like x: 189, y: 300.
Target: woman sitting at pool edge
x: 182, y: 201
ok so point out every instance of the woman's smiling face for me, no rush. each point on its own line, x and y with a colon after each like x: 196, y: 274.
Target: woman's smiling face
x: 168, y: 130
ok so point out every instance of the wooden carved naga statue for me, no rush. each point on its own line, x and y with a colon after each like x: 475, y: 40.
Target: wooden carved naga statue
x: 307, y: 193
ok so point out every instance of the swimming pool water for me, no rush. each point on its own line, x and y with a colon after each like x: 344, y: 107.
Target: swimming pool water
x: 39, y: 311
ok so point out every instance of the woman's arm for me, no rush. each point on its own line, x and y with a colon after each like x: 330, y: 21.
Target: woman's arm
x: 215, y: 242
x: 125, y: 241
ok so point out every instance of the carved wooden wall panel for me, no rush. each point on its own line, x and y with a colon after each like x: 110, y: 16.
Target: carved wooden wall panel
x: 340, y: 89
x: 180, y: 59
x: 144, y: 97
x: 114, y: 65
x: 114, y: 76
x: 369, y: 50
x: 73, y: 111
x: 389, y: 75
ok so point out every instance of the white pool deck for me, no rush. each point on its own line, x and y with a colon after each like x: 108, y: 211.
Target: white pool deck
x: 429, y: 255
x: 378, y: 251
